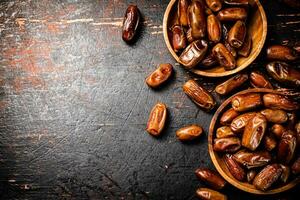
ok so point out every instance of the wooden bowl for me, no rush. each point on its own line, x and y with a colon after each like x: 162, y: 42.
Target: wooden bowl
x: 218, y: 161
x: 257, y: 28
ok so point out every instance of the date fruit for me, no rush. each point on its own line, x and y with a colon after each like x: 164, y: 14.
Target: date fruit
x: 270, y: 142
x: 160, y: 75
x: 228, y: 116
x: 224, y: 57
x: 252, y: 159
x: 178, y: 38
x: 276, y: 101
x: 214, y: 5
x: 208, y: 194
x: 199, y: 95
x: 231, y: 84
x: 183, y: 6
x: 280, y: 52
x: 296, y: 166
x: 130, y: 23
x: 237, y: 34
x: 232, y: 14
x: 278, y: 130
x: 189, y: 132
x: 244, y: 102
x: 209, y: 61
x: 246, y: 47
x: 258, y: 80
x: 224, y: 132
x: 157, y: 119
x: 267, y: 177
x: 230, y: 144
x: 254, y: 132
x: 197, y: 19
x: 251, y: 175
x: 211, y: 178
x: 275, y: 116
x: 238, y: 124
x: 286, y: 147
x: 214, y: 28
x: 234, y: 168
x: 286, y: 171
x: 193, y: 54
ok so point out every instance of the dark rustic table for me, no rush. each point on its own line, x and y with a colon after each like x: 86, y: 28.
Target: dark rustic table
x: 74, y: 105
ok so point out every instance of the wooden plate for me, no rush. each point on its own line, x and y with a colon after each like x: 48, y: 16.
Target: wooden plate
x: 257, y: 28
x: 219, y: 163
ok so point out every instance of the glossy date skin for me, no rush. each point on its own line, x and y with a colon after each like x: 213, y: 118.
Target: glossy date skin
x: 209, y: 61
x: 157, y: 119
x: 287, y: 147
x: 209, y: 194
x: 214, y: 28
x: 251, y: 175
x: 267, y: 177
x: 286, y: 171
x: 258, y: 80
x: 230, y: 144
x: 214, y: 5
x: 130, y: 23
x: 275, y: 115
x: 238, y: 124
x: 189, y: 132
x: 183, y: 6
x: 282, y: 53
x: 199, y: 95
x: 224, y: 57
x: 211, y: 178
x: 296, y: 166
x: 270, y: 142
x: 160, y: 75
x: 252, y: 159
x: 224, y: 132
x: 234, y: 168
x: 231, y: 84
x: 237, y: 34
x: 284, y: 73
x: 228, y: 116
x: 197, y: 19
x: 237, y: 2
x: 246, y: 47
x: 193, y: 54
x: 276, y: 101
x: 232, y: 14
x: 179, y: 40
x: 244, y: 102
x: 254, y: 132
x: 278, y: 130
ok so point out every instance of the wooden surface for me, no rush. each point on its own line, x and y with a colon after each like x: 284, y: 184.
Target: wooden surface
x: 74, y: 104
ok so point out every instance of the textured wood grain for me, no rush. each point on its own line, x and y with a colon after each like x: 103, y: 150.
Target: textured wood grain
x: 74, y: 105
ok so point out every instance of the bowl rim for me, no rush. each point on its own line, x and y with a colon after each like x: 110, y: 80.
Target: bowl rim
x: 212, y: 153
x: 216, y: 74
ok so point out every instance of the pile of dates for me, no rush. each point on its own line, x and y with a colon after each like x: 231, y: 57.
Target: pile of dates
x: 258, y: 138
x: 208, y: 33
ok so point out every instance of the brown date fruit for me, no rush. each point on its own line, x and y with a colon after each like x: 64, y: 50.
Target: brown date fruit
x: 286, y: 171
x: 286, y: 147
x: 244, y: 102
x: 231, y: 49
x: 252, y: 159
x: 269, y: 142
x: 238, y: 124
x: 237, y: 34
x: 230, y: 144
x: 208, y: 194
x: 211, y: 178
x: 130, y: 23
x: 246, y: 47
x: 231, y: 84
x: 284, y: 73
x: 183, y: 6
x: 237, y: 2
x: 296, y: 166
x: 234, y: 168
x: 232, y: 14
x: 214, y: 5
x: 160, y: 75
x: 193, y: 54
x: 228, y: 116
x: 258, y: 80
x: 254, y: 132
x: 267, y: 177
x: 209, y: 61
x: 278, y: 130
x: 157, y: 119
x: 197, y: 19
x: 189, y: 132
x: 251, y: 175
x: 189, y: 36
x: 224, y: 132
x: 214, y: 28
x: 292, y: 120
x: 199, y: 95
x: 280, y: 52
x: 276, y: 101
x: 178, y: 38
x: 224, y: 57
x: 274, y: 115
